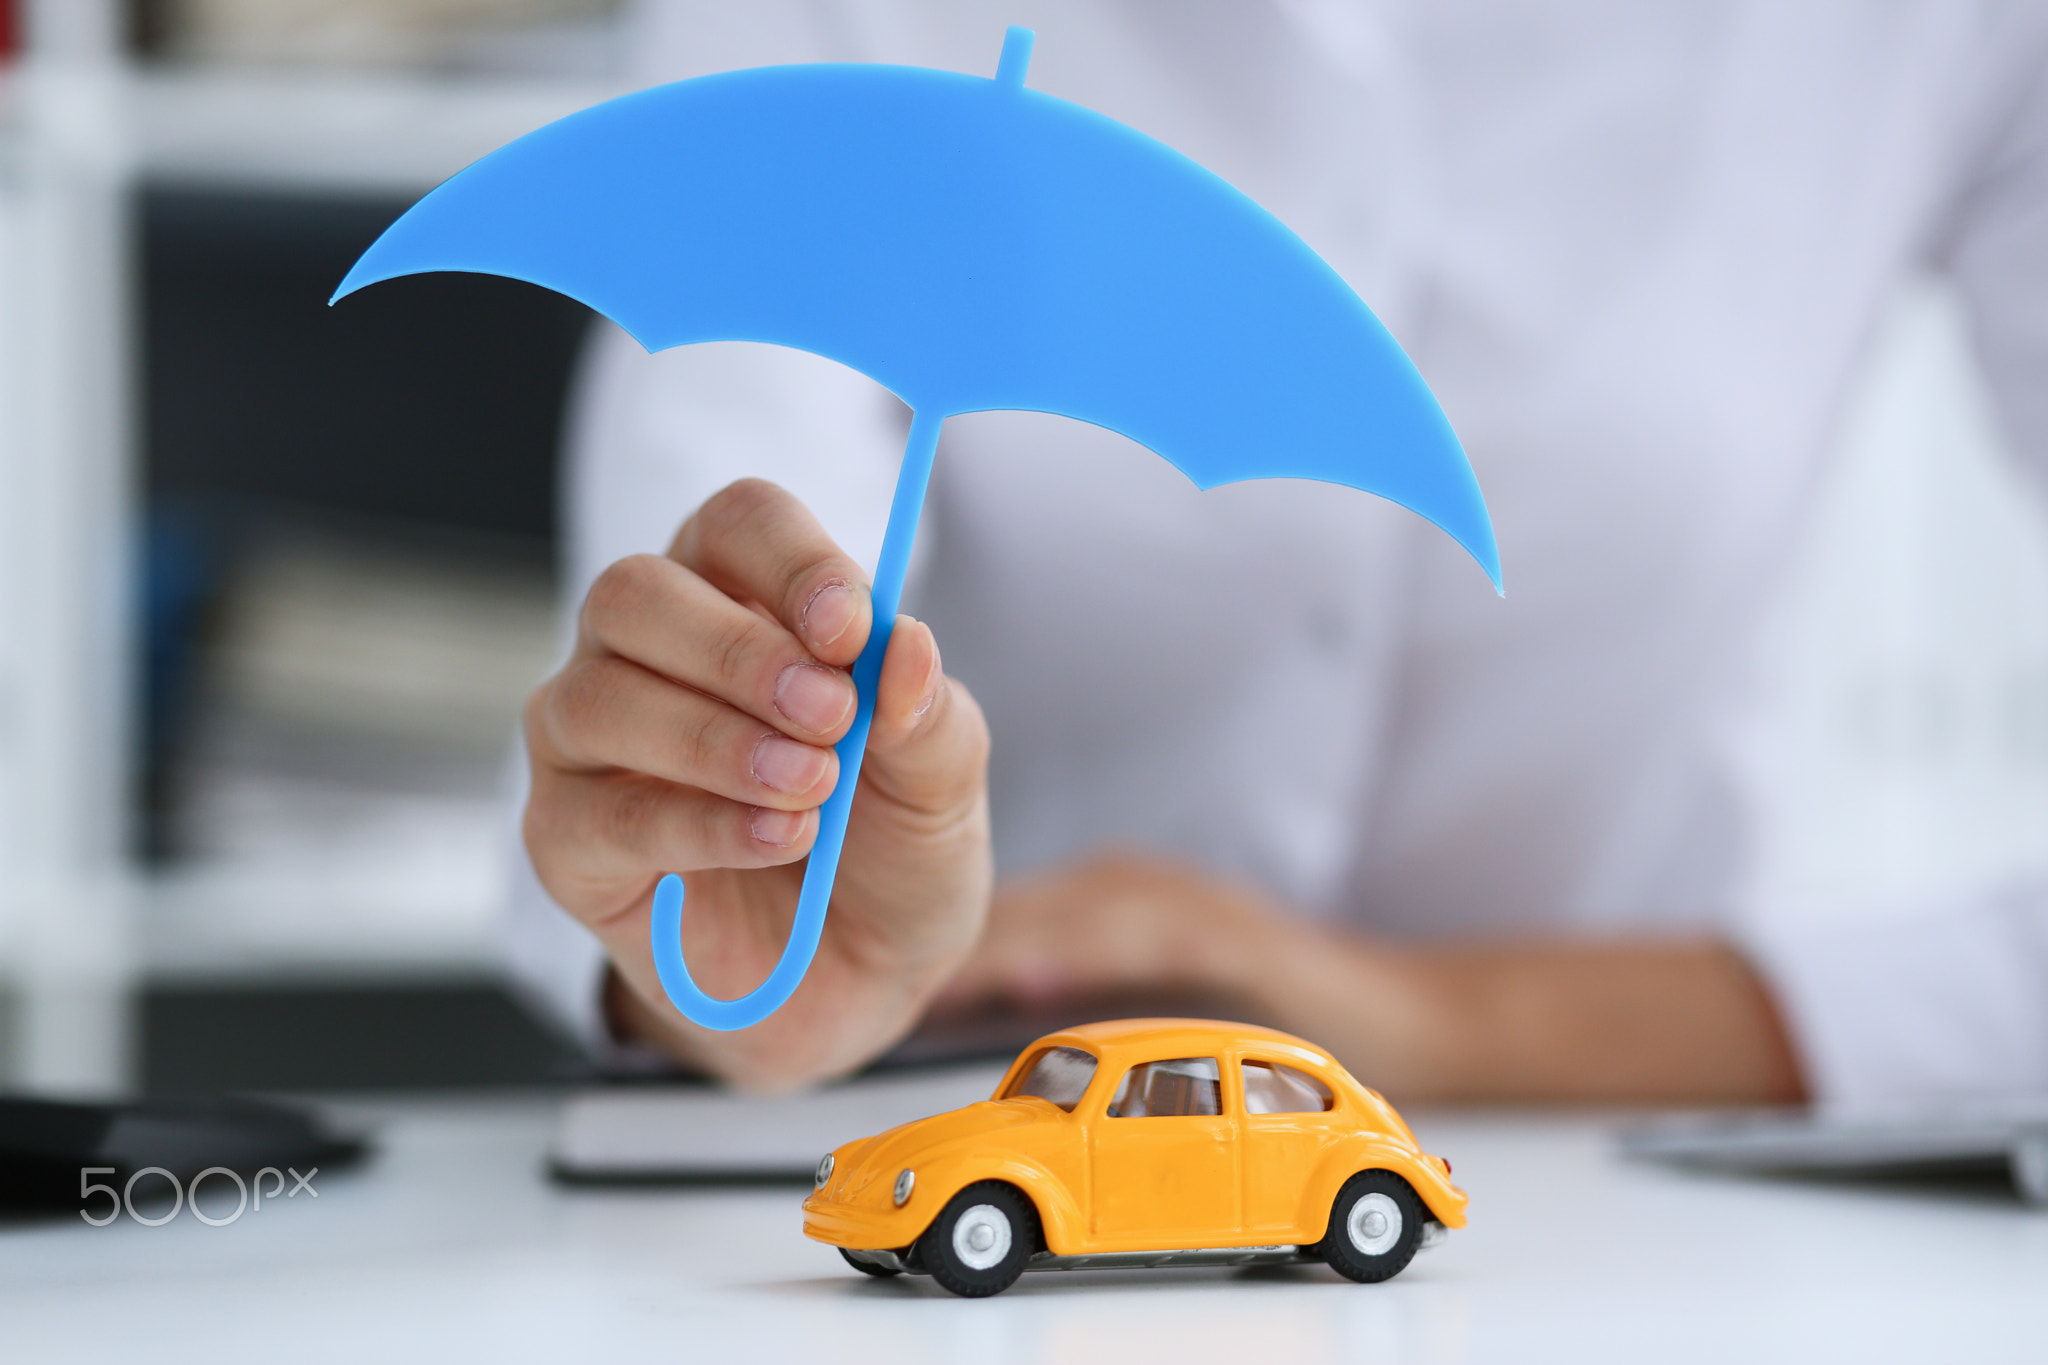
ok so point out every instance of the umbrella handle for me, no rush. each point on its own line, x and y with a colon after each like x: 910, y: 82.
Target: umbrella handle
x: 666, y: 926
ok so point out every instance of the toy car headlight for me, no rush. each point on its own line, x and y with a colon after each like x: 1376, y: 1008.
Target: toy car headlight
x: 824, y: 1171
x: 906, y: 1181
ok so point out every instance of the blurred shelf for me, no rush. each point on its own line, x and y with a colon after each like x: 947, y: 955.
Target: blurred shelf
x: 311, y: 870
x: 314, y: 876
x: 336, y: 131
x: 384, y: 918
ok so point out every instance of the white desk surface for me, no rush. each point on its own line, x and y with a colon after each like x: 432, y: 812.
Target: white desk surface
x: 450, y: 1246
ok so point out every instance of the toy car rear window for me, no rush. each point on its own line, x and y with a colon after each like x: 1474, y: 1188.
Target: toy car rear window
x: 1270, y: 1088
x: 1180, y: 1088
x: 1059, y: 1075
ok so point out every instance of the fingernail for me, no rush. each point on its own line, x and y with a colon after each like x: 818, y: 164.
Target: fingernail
x: 777, y: 827
x: 931, y: 691
x: 934, y: 678
x: 786, y: 765
x: 813, y: 697
x: 830, y: 612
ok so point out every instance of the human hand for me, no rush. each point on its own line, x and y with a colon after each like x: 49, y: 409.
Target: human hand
x: 691, y: 732
x: 1536, y: 1019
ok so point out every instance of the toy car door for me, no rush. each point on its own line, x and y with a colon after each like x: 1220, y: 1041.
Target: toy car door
x: 1163, y: 1159
x: 1286, y: 1123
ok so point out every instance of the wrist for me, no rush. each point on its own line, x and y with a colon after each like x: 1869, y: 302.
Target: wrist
x: 1390, y: 1014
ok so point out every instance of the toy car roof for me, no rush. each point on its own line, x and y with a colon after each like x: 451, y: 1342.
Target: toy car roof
x: 1122, y: 1035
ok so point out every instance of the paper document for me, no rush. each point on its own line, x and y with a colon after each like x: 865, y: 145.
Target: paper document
x: 699, y: 1133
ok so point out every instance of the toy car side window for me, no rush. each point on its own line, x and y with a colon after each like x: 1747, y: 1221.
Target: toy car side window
x: 1270, y: 1088
x: 1059, y: 1075
x: 1182, y: 1087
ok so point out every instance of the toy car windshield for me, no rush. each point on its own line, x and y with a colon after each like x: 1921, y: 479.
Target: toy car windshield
x: 1059, y: 1075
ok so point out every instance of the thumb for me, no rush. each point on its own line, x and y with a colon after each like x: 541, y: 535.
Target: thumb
x: 928, y: 750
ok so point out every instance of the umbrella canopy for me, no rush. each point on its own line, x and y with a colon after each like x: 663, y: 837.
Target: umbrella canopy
x: 971, y: 244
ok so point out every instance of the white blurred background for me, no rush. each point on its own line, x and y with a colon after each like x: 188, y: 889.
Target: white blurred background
x: 274, y: 579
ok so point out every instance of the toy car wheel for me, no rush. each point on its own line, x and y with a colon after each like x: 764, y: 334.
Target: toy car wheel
x: 867, y: 1267
x: 1375, y: 1227
x: 978, y: 1244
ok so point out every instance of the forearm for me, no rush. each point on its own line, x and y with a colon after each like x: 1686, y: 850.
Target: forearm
x: 1621, y: 1022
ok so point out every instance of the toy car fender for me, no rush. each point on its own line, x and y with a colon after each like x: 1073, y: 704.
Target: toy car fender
x: 1446, y: 1203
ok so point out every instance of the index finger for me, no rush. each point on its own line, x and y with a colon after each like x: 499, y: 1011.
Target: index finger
x: 753, y: 540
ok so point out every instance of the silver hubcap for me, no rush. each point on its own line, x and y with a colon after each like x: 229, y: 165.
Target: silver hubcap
x: 1374, y: 1224
x: 981, y: 1237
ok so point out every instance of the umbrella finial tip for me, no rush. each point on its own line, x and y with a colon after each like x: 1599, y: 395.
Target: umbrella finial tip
x: 1016, y: 56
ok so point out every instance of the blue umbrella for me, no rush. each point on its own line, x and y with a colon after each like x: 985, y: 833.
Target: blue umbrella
x: 972, y: 245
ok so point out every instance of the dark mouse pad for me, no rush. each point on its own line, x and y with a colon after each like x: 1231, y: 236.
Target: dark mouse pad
x: 45, y: 1144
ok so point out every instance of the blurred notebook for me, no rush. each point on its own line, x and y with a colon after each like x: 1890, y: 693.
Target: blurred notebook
x: 2007, y: 1136
x: 700, y: 1134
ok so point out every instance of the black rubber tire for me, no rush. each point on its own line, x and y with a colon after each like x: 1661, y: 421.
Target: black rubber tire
x: 1355, y: 1262
x: 936, y: 1253
x: 880, y: 1272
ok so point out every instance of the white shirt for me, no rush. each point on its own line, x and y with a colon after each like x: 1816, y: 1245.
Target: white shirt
x: 1635, y: 249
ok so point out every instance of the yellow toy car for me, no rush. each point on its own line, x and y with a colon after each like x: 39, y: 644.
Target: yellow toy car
x: 1145, y: 1142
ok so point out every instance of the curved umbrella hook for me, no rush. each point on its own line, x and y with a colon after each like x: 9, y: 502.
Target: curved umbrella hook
x: 666, y: 926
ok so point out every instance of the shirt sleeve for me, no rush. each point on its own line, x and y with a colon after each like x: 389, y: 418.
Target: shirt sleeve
x: 1952, y: 999
x: 1949, y: 1001
x: 1992, y: 239
x: 553, y: 965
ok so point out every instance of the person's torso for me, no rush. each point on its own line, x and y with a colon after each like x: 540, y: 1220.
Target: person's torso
x: 1635, y: 250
